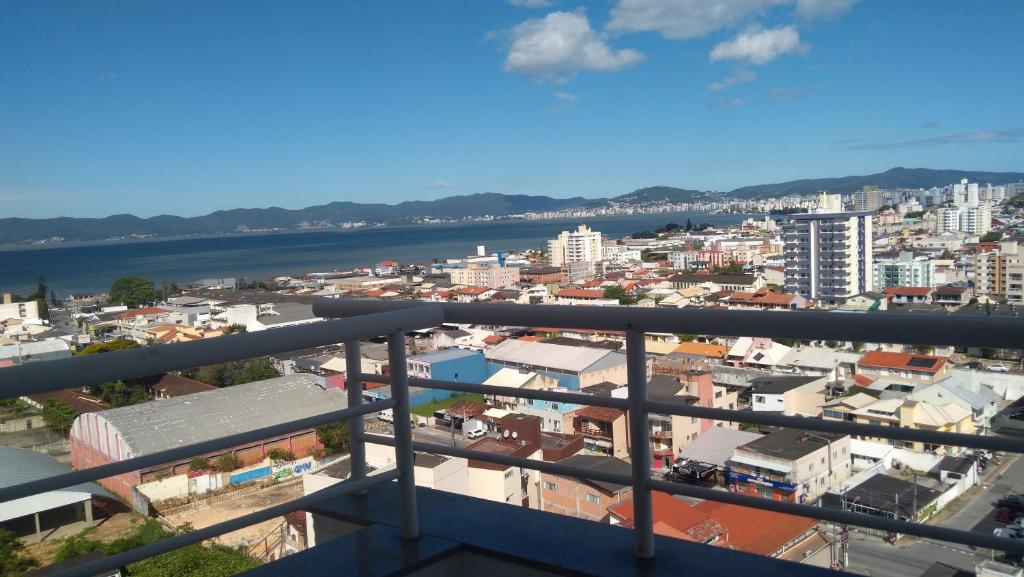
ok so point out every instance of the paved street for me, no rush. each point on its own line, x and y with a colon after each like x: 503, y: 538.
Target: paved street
x: 425, y: 434
x: 912, y: 556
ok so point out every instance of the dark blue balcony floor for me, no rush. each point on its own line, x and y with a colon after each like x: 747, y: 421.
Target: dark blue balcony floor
x: 451, y: 524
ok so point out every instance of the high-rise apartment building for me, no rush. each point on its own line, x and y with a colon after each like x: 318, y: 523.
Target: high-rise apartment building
x: 971, y: 220
x: 904, y: 270
x: 968, y: 191
x: 1000, y: 272
x: 581, y: 245
x: 868, y: 198
x: 828, y: 254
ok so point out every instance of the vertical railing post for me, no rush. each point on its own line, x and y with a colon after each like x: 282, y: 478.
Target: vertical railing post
x: 640, y: 445
x: 354, y: 388
x: 404, y: 457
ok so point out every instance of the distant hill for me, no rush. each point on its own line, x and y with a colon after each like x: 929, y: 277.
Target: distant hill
x: 19, y: 230
x: 657, y: 194
x: 892, y: 178
x: 14, y: 230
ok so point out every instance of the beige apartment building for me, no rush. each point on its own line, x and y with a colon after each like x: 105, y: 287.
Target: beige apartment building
x: 485, y: 275
x: 791, y: 465
x: 1000, y: 272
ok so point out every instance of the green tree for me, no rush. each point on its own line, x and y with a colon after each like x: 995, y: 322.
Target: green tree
x: 195, y: 561
x: 58, y: 416
x: 992, y: 236
x: 731, y: 268
x: 924, y: 349
x: 14, y: 560
x: 40, y: 297
x: 277, y: 454
x: 947, y: 255
x: 857, y: 347
x: 257, y: 369
x: 227, y: 462
x: 832, y: 344
x: 121, y: 393
x: 235, y: 328
x: 333, y: 436
x: 132, y: 291
x: 235, y: 373
x: 199, y: 464
x: 686, y: 338
x: 107, y: 347
x: 619, y: 293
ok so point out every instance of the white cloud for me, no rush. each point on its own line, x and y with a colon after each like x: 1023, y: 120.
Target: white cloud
x: 758, y: 46
x: 565, y: 96
x: 444, y: 184
x: 696, y: 18
x: 741, y: 76
x: 531, y: 3
x: 685, y: 18
x: 822, y: 8
x: 728, y: 102
x: 553, y: 47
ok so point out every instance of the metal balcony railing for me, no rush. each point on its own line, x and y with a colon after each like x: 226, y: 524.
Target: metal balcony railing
x: 366, y: 319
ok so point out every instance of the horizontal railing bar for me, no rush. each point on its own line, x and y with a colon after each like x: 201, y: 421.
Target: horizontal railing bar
x: 509, y: 460
x: 39, y: 377
x: 540, y: 394
x: 992, y: 443
x: 977, y: 539
x: 901, y: 328
x: 849, y: 517
x: 170, y: 455
x: 112, y: 562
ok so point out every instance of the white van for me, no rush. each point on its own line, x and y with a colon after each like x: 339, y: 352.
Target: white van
x: 387, y: 415
x: 476, y: 433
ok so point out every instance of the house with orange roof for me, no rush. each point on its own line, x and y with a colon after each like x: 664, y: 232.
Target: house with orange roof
x: 675, y: 518
x: 910, y: 368
x: 903, y: 295
x: 473, y: 293
x: 709, y: 351
x: 763, y: 299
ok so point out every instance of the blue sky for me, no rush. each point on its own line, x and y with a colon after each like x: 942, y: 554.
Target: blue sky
x: 189, y: 107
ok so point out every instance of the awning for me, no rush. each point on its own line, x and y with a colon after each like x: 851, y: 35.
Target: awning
x: 760, y: 463
x: 496, y: 413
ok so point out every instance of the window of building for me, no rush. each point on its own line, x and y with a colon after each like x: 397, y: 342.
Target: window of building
x: 593, y: 499
x: 758, y: 398
x: 509, y: 473
x: 554, y: 406
x: 718, y: 394
x: 549, y: 486
x: 765, y: 492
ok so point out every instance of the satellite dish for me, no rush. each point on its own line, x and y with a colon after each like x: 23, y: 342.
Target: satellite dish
x: 505, y: 433
x: 515, y: 435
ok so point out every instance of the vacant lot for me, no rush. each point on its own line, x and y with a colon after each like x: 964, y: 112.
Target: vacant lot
x: 231, y: 508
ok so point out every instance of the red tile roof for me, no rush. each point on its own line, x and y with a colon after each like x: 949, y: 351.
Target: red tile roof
x: 887, y: 360
x: 756, y: 530
x: 910, y: 291
x: 605, y: 414
x: 674, y: 518
x: 473, y: 290
x: 863, y: 380
x: 493, y: 339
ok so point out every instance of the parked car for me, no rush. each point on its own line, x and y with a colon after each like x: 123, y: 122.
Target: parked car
x: 1015, y: 502
x: 1006, y: 533
x: 973, y: 365
x: 476, y: 433
x: 387, y: 415
x: 999, y: 368
x: 1005, y: 515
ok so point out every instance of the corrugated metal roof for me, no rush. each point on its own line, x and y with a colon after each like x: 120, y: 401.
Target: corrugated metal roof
x: 531, y: 353
x: 25, y: 466
x: 162, y: 424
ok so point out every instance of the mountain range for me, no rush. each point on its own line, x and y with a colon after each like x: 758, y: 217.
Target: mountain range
x: 20, y: 230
